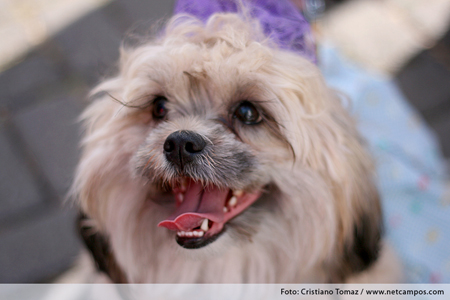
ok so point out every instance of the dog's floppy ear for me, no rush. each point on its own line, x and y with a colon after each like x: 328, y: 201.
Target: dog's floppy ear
x: 327, y: 141
x: 360, y: 253
x: 363, y: 250
x: 341, y: 157
x: 100, y: 249
x: 361, y: 247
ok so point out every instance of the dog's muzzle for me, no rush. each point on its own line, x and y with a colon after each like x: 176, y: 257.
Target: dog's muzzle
x: 201, y: 208
x: 182, y: 147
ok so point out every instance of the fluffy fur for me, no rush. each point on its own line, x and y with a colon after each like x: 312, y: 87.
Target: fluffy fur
x: 319, y: 218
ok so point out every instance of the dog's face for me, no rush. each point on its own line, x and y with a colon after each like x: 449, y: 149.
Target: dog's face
x: 213, y: 141
x: 213, y: 149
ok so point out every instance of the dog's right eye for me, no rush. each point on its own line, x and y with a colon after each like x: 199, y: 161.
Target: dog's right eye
x: 159, y: 107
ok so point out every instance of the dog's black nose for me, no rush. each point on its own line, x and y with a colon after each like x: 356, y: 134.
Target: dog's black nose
x: 181, y: 147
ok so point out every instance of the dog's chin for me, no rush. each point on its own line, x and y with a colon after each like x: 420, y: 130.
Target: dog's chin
x: 202, y: 213
x: 198, y: 242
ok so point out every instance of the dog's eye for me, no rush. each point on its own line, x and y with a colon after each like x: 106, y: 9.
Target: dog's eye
x: 159, y: 107
x: 247, y: 113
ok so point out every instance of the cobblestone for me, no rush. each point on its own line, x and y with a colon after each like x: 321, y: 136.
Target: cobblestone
x: 38, y: 249
x: 425, y: 78
x: 90, y: 46
x: 17, y: 83
x: 52, y: 133
x: 18, y: 189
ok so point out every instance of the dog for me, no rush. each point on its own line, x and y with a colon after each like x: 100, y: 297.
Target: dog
x: 215, y: 156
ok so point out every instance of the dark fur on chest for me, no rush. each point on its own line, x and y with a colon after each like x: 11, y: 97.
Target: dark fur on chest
x: 100, y: 249
x: 357, y: 257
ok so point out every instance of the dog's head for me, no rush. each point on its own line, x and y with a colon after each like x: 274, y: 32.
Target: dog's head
x: 214, y: 140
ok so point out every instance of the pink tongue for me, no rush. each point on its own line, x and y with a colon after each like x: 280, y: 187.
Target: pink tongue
x: 198, y: 204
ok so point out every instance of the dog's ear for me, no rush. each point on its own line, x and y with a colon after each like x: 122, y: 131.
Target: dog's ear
x: 345, y: 163
x: 361, y: 246
x: 360, y: 253
x: 327, y: 141
x: 350, y: 169
x: 98, y: 245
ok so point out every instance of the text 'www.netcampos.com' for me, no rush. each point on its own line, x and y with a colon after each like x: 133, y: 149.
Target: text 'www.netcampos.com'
x: 357, y: 292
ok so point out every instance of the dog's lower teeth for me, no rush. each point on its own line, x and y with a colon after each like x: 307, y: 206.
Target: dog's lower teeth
x: 232, y: 202
x: 190, y: 233
x: 225, y: 210
x: 198, y: 233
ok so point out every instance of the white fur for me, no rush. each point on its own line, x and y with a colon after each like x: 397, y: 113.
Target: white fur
x: 322, y: 190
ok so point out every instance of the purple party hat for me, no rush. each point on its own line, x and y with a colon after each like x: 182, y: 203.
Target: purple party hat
x: 280, y: 19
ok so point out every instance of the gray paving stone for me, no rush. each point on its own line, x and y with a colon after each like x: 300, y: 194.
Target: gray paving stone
x: 52, y: 133
x: 442, y: 128
x: 39, y: 249
x: 425, y: 82
x: 117, y: 16
x: 23, y: 79
x: 91, y: 45
x: 18, y: 189
x: 446, y: 39
x: 145, y: 13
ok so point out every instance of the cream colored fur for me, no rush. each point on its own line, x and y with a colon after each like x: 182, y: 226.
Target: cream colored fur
x: 320, y: 170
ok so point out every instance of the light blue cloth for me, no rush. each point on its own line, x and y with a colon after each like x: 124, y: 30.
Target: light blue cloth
x: 410, y: 168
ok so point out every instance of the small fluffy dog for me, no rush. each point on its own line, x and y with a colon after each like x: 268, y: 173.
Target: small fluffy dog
x: 216, y: 157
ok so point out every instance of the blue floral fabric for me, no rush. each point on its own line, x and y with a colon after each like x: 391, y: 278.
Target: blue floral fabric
x: 410, y: 168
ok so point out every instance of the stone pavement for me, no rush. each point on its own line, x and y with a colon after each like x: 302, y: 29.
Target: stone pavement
x: 425, y: 81
x: 41, y: 97
x: 406, y: 39
x: 27, y: 23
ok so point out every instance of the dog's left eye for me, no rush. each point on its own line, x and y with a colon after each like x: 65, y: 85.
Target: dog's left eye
x: 159, y: 107
x: 247, y: 113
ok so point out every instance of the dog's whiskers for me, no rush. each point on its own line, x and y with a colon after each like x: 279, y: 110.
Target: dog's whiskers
x: 150, y: 161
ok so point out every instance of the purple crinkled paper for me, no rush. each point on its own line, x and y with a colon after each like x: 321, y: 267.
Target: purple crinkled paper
x: 280, y: 20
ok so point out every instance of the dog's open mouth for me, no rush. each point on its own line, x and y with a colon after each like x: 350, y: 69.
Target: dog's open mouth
x: 202, y: 212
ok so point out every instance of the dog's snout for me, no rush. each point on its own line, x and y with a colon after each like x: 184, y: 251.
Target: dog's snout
x: 181, y: 147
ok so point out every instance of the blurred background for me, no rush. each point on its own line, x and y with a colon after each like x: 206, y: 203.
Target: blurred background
x: 53, y: 51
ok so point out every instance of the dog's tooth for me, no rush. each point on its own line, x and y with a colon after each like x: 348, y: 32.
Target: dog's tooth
x: 200, y: 233
x: 238, y: 193
x: 225, y: 209
x: 204, y: 225
x: 189, y: 233
x: 232, y: 202
x: 180, y: 197
x: 183, y: 184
